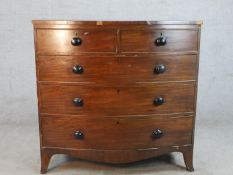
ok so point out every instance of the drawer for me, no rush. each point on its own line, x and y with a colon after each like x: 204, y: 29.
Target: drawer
x: 112, y: 101
x: 117, y: 69
x: 52, y: 42
x: 148, y: 40
x: 78, y: 69
x: 115, y: 133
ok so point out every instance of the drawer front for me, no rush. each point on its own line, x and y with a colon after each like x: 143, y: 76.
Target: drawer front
x: 147, y: 40
x: 115, y: 133
x: 156, y: 99
x: 78, y: 69
x: 117, y: 69
x: 52, y: 42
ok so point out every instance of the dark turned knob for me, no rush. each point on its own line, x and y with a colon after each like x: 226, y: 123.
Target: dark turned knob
x: 160, y: 41
x: 76, y: 41
x: 156, y: 134
x: 78, y: 102
x: 159, y: 101
x: 78, y: 69
x: 160, y: 68
x: 79, y: 135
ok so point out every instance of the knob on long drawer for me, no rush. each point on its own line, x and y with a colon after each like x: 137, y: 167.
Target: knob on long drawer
x: 159, y: 69
x: 159, y: 101
x: 156, y: 134
x: 76, y: 41
x: 78, y: 69
x: 78, y: 101
x: 79, y: 135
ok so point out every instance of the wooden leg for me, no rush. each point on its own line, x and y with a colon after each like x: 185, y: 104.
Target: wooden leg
x: 45, y: 158
x: 188, y: 158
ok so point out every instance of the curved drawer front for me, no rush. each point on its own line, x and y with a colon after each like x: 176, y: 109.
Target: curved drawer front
x: 151, y: 99
x: 58, y: 42
x: 114, y: 133
x: 117, y: 69
x: 146, y: 40
x: 95, y: 69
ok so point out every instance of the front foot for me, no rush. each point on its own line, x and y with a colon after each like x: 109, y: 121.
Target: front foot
x: 188, y: 158
x: 45, y: 158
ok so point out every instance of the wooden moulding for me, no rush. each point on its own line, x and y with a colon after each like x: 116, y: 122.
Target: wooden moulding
x: 117, y: 156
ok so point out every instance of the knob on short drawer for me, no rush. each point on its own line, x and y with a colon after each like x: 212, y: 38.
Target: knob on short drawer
x: 78, y: 101
x: 76, y: 41
x: 156, y: 134
x: 159, y: 69
x: 161, y: 41
x: 159, y: 101
x: 78, y: 69
x: 79, y: 135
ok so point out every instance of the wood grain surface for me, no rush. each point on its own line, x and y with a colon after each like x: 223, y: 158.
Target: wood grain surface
x: 118, y: 86
x: 107, y: 70
x: 115, y: 133
x: 144, y: 40
x: 115, y: 101
x: 54, y: 42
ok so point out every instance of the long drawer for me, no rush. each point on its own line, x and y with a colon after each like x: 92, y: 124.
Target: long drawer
x: 158, y: 40
x: 116, y: 69
x: 114, y: 133
x: 59, y: 42
x: 150, y: 99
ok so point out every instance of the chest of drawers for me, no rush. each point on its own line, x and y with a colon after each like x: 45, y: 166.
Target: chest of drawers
x: 116, y: 92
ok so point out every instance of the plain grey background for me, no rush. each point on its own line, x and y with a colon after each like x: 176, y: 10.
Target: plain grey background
x: 18, y: 102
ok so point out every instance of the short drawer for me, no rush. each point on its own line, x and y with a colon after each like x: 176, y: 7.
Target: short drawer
x: 112, y: 101
x: 66, y: 42
x: 158, y: 40
x: 114, y: 133
x: 117, y: 69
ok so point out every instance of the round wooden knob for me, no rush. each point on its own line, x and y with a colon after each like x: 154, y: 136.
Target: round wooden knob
x: 161, y: 41
x: 78, y: 101
x: 76, y: 41
x: 79, y: 135
x: 160, y: 68
x: 156, y: 134
x: 78, y: 69
x: 159, y: 101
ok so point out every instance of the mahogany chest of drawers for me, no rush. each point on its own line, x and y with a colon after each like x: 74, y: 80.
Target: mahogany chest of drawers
x: 116, y: 92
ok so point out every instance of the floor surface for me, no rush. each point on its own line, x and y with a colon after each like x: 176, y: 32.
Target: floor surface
x: 213, y: 155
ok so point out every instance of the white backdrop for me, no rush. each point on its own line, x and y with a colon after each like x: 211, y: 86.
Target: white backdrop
x: 18, y: 101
